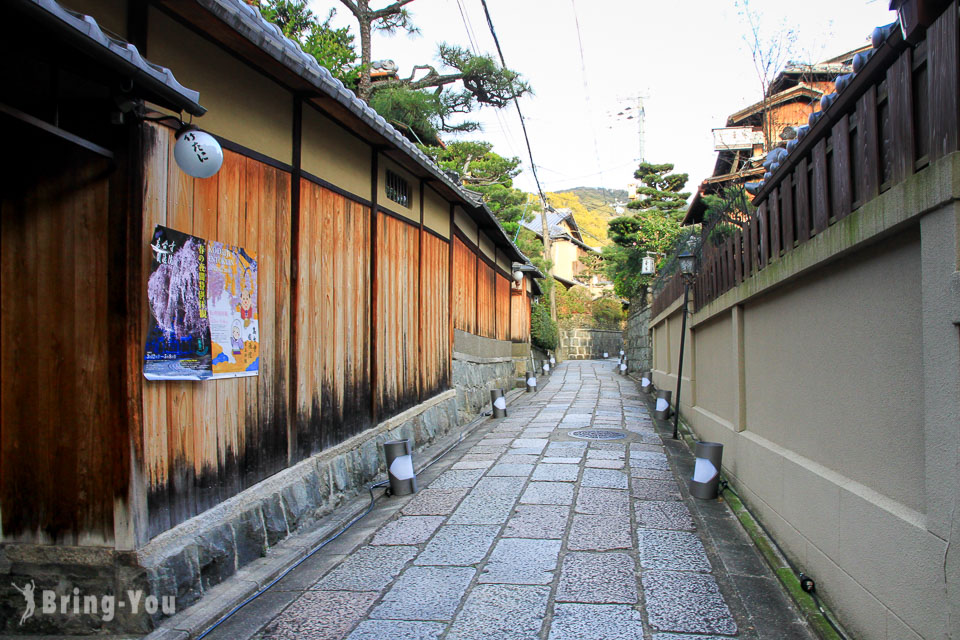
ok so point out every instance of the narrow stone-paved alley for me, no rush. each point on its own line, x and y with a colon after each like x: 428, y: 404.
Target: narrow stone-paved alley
x: 524, y: 531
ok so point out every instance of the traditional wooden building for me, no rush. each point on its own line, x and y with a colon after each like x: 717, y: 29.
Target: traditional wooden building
x: 377, y: 279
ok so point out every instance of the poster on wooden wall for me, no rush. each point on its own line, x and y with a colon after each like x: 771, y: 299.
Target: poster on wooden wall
x: 204, y: 321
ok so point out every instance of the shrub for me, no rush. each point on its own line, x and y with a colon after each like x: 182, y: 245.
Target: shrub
x: 543, y: 330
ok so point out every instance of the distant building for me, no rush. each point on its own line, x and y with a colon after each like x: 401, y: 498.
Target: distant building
x: 566, y: 249
x: 742, y: 144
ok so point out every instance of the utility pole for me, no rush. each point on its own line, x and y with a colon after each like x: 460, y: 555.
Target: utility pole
x: 546, y: 256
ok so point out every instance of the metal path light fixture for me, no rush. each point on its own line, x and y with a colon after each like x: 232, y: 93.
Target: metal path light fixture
x: 499, y: 403
x: 646, y: 381
x: 688, y: 270
x: 706, y: 470
x: 662, y: 411
x: 197, y: 152
x: 531, y: 382
x: 553, y: 360
x: 403, y: 481
x: 546, y: 367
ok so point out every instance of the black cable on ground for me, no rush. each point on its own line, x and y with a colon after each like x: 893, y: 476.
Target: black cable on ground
x: 470, y: 425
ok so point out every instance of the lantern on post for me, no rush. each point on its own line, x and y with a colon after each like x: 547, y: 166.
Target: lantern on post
x: 688, y: 270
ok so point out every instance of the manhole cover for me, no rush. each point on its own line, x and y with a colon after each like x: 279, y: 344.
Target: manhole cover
x: 597, y: 434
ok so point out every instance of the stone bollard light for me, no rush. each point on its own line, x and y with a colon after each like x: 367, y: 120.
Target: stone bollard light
x: 403, y: 481
x: 531, y: 382
x: 623, y: 368
x: 706, y: 472
x: 546, y: 367
x: 499, y: 403
x: 663, y: 404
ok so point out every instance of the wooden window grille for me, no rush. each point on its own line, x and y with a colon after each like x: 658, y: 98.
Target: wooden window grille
x: 398, y: 189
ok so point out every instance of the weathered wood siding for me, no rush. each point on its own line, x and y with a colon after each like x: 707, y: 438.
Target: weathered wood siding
x: 332, y: 351
x: 204, y: 442
x: 434, y: 315
x: 519, y: 315
x: 486, y: 300
x: 503, y: 307
x: 62, y: 461
x: 464, y: 286
x: 397, y: 319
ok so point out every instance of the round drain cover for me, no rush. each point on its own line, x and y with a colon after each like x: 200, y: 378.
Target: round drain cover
x: 597, y: 434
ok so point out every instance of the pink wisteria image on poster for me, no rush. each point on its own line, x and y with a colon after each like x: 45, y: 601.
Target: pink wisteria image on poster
x: 204, y: 319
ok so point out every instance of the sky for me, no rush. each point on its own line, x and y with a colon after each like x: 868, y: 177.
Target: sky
x: 687, y: 60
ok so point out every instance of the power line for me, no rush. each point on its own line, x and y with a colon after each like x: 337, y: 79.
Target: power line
x: 474, y: 45
x: 586, y: 94
x: 523, y: 124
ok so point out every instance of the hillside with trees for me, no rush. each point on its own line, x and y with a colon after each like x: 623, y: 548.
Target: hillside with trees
x: 592, y: 208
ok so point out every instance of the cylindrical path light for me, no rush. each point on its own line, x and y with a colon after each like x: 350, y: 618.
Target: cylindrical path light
x: 499, y: 403
x: 663, y: 404
x: 646, y: 381
x: 531, y: 382
x: 403, y: 481
x: 706, y: 472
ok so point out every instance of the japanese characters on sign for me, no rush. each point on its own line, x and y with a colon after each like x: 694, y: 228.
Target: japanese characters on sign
x: 204, y: 320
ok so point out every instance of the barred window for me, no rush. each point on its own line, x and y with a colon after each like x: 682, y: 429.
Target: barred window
x: 398, y: 189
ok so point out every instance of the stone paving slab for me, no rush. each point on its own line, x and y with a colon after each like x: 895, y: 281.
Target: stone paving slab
x: 425, y: 593
x: 599, y: 533
x: 548, y: 493
x: 556, y: 472
x: 651, y: 474
x: 408, y: 530
x: 513, y: 458
x: 664, y: 515
x: 499, y: 486
x: 605, y: 502
x: 458, y: 545
x: 511, y: 469
x: 522, y: 561
x: 368, y: 569
x: 321, y: 614
x: 686, y: 602
x: 672, y: 550
x: 472, y: 464
x: 429, y: 502
x: 605, y: 464
x: 478, y: 508
x: 537, y: 521
x: 561, y: 460
x: 460, y: 479
x: 645, y: 489
x: 395, y: 630
x: 596, y: 621
x: 501, y: 612
x: 608, y: 478
x: 603, y: 578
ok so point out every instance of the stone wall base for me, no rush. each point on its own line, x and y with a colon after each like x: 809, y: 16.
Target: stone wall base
x: 192, y: 558
x: 474, y: 377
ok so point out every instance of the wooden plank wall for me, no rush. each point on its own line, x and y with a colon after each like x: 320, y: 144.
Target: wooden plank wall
x: 434, y: 309
x: 63, y: 453
x: 397, y: 321
x: 503, y: 307
x: 486, y: 300
x: 519, y: 315
x: 464, y: 286
x: 333, y: 321
x: 204, y: 442
x: 897, y: 125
